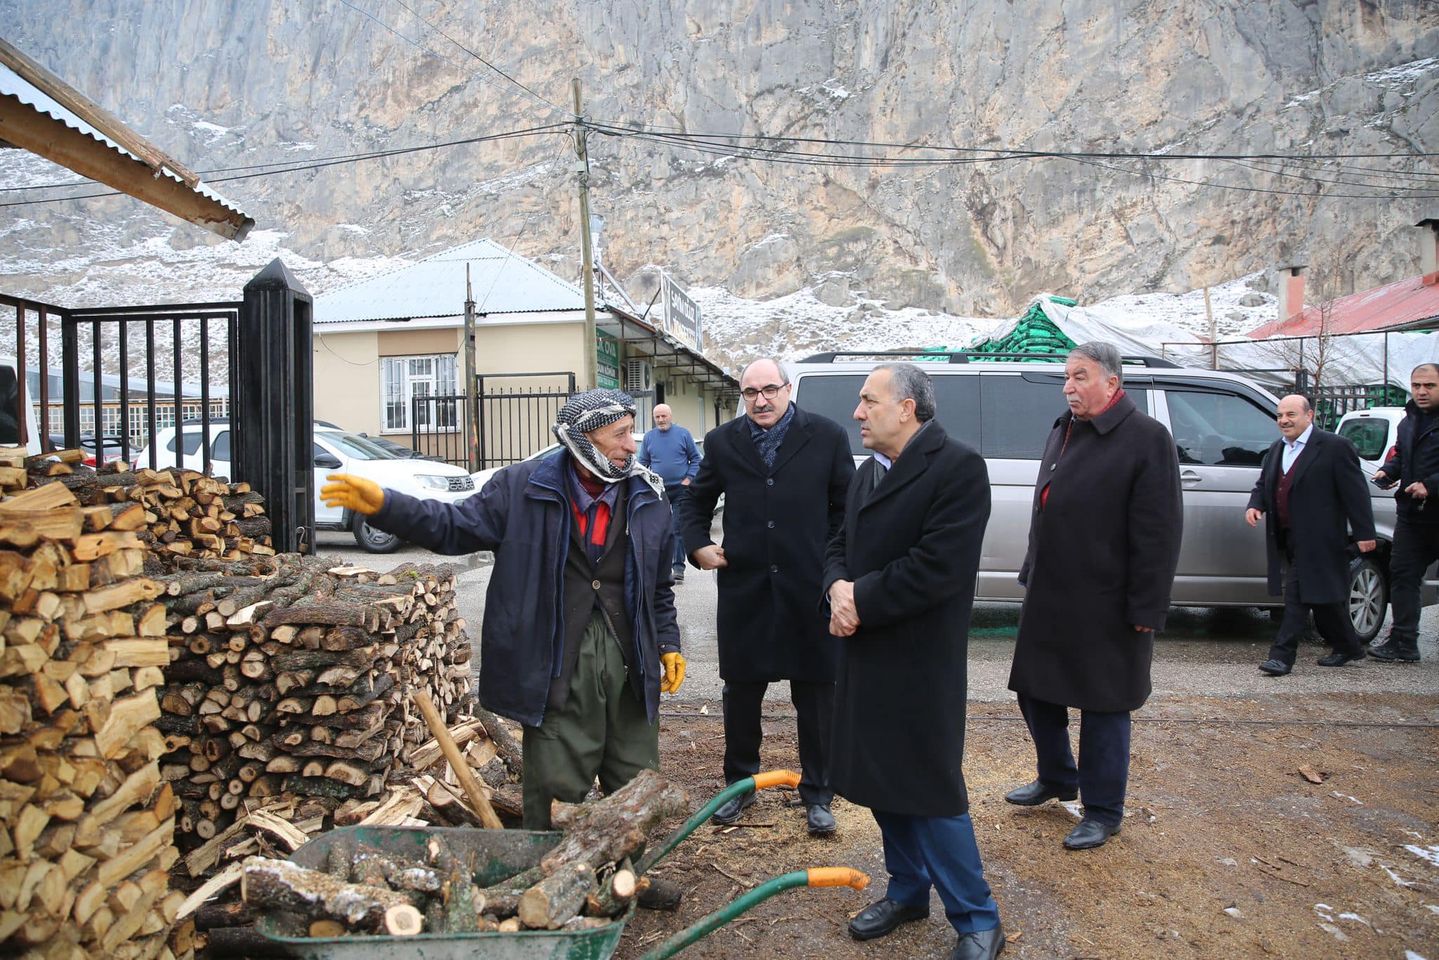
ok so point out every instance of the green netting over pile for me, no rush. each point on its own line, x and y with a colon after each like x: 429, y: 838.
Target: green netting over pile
x: 1034, y: 334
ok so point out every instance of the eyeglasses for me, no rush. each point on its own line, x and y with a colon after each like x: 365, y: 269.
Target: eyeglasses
x: 770, y: 391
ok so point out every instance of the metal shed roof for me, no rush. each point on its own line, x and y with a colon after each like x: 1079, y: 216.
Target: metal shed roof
x: 1412, y: 302
x: 502, y: 282
x: 73, y: 133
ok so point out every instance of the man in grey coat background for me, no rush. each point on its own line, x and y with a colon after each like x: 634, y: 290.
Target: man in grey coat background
x: 1104, y: 541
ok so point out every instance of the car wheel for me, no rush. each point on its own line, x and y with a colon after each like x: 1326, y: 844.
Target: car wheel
x: 1368, y: 598
x: 373, y: 540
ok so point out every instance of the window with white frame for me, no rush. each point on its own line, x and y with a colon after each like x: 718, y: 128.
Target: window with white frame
x: 402, y: 379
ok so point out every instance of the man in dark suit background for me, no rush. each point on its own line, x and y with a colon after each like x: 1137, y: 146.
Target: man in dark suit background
x: 1312, y: 498
x: 899, y: 576
x: 784, y: 473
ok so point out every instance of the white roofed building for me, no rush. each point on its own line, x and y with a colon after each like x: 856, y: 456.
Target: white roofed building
x: 382, y: 342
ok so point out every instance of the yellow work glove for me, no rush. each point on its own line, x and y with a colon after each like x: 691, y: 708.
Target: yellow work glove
x: 353, y: 493
x: 674, y: 665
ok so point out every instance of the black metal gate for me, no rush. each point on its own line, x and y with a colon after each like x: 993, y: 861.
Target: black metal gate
x: 513, y: 420
x: 121, y: 404
x: 516, y: 411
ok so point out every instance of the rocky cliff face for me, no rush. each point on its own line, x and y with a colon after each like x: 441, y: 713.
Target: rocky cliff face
x: 234, y: 83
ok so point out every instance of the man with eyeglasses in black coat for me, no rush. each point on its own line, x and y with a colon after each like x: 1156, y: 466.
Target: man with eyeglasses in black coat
x: 784, y: 473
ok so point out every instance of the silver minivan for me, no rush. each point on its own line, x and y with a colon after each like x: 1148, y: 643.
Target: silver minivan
x: 1222, y: 425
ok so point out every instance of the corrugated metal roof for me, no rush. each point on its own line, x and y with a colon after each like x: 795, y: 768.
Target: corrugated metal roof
x: 502, y: 282
x: 14, y: 85
x: 1392, y: 305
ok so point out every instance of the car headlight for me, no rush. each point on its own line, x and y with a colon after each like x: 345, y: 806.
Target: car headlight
x: 432, y: 482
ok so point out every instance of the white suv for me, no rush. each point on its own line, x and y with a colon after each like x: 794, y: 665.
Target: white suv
x: 336, y: 451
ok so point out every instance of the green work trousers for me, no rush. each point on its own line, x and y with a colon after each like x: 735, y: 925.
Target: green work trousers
x: 600, y: 731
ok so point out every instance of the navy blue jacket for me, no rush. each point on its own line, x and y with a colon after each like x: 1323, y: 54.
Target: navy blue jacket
x: 1416, y: 459
x: 523, y: 514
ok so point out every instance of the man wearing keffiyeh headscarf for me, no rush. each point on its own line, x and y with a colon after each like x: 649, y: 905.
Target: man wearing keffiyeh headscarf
x: 579, y: 636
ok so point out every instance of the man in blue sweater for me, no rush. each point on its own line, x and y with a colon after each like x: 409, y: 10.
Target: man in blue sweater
x: 669, y: 450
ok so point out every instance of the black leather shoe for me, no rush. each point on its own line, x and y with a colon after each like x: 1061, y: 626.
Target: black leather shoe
x: 1274, y: 668
x: 660, y: 895
x: 731, y: 809
x: 1033, y: 794
x: 1337, y: 659
x: 882, y: 917
x: 980, y: 945
x: 1089, y: 834
x: 679, y: 575
x: 1390, y: 651
x: 819, y: 819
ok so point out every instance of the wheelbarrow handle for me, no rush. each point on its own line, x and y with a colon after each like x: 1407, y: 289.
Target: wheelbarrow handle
x: 770, y: 778
x: 814, y: 877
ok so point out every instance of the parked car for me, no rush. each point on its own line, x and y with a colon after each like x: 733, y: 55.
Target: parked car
x: 99, y: 452
x: 399, y: 449
x: 482, y: 477
x: 335, y: 451
x: 1374, y: 433
x: 1222, y: 425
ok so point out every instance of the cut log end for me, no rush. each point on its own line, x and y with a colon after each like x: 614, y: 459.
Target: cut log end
x: 404, y: 921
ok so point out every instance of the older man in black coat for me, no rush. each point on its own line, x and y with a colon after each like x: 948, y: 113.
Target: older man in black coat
x: 1103, y: 547
x: 899, y: 577
x: 784, y: 473
x: 1312, y: 499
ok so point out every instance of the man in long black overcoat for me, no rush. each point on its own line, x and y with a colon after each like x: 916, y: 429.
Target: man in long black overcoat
x: 1104, y: 540
x: 1312, y: 499
x: 784, y: 473
x: 899, y: 577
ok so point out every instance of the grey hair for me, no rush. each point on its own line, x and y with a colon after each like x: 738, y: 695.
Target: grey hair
x: 1105, y: 354
x: 908, y: 382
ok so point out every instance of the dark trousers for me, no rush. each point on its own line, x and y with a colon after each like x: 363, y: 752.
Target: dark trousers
x: 1330, y: 619
x: 675, y: 494
x: 814, y: 702
x: 1416, y: 546
x: 920, y: 852
x: 1102, y: 774
x: 602, y: 730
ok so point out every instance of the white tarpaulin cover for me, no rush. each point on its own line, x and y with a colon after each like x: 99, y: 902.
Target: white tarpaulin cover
x: 1354, y: 359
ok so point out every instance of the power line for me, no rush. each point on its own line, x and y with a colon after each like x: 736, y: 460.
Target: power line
x: 1244, y: 189
x: 321, y: 164
x: 414, y: 43
x: 716, y: 147
x: 638, y: 129
x: 472, y: 53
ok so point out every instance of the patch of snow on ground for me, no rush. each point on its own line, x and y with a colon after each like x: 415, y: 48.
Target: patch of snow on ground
x: 1431, y: 854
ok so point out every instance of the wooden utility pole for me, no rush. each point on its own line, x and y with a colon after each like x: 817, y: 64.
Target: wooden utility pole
x: 582, y: 166
x: 472, y: 405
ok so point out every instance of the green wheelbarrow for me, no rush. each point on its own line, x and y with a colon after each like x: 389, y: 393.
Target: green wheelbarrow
x: 500, y: 854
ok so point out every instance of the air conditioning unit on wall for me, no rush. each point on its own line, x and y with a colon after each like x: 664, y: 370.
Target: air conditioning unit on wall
x: 639, y: 377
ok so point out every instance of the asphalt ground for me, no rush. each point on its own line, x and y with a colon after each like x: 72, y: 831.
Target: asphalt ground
x: 1203, y: 652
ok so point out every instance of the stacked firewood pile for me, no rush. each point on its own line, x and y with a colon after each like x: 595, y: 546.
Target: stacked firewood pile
x: 183, y: 513
x: 88, y: 843
x: 582, y: 883
x: 292, y: 680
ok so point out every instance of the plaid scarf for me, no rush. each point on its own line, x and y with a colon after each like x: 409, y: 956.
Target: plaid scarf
x: 767, y: 442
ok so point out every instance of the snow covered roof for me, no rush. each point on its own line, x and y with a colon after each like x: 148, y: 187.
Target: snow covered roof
x: 501, y: 280
x: 73, y: 136
x: 1404, y: 303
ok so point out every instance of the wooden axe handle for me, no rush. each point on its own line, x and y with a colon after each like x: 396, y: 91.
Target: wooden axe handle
x: 457, y: 761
